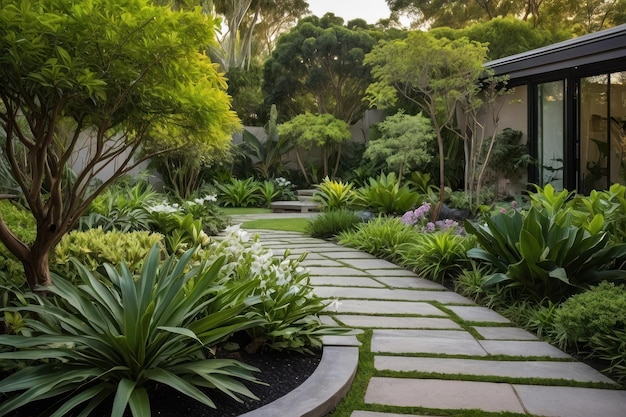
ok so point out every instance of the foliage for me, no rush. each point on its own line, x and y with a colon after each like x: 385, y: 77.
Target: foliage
x: 24, y: 226
x: 470, y: 283
x: 586, y: 17
x: 403, y: 144
x: 510, y: 155
x: 244, y: 86
x: 381, y: 237
x: 269, y: 192
x: 239, y: 193
x: 437, y: 256
x: 533, y: 316
x: 288, y: 308
x: 95, y: 247
x: 595, y: 323
x: 611, y: 204
x: 98, y: 77
x: 331, y: 223
x: 112, y: 339
x: 318, y: 67
x: 385, y: 195
x: 267, y: 155
x: 334, y: 194
x: 439, y: 76
x: 543, y: 255
x: 324, y: 131
x: 121, y: 207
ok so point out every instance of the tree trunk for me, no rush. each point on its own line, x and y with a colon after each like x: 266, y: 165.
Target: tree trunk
x: 37, y: 270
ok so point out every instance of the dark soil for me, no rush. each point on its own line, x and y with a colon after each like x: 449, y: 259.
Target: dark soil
x: 282, y: 371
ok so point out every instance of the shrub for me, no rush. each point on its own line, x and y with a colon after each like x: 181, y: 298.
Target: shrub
x: 436, y: 256
x: 543, y: 255
x: 269, y: 192
x: 598, y: 312
x: 534, y: 317
x: 288, y: 307
x: 381, y: 237
x: 470, y: 283
x: 95, y: 247
x: 332, y: 223
x: 611, y: 204
x: 385, y: 195
x: 114, y: 339
x: 23, y: 224
x: 239, y: 193
x: 333, y: 194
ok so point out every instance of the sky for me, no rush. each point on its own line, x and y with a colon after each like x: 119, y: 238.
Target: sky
x: 370, y: 10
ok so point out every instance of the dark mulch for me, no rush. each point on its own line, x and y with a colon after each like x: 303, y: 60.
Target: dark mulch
x: 282, y: 371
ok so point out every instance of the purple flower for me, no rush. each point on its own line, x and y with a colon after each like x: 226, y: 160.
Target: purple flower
x: 503, y: 210
x: 430, y: 227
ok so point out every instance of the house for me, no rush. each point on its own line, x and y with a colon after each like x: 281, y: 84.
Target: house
x: 570, y: 101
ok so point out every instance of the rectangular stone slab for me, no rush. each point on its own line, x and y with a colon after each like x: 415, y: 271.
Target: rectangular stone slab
x: 385, y: 307
x: 374, y: 322
x: 572, y: 401
x: 522, y: 348
x: 479, y: 314
x: 409, y: 282
x: 514, y: 369
x: 449, y: 342
x: 353, y: 282
x: 445, y: 297
x: 435, y: 393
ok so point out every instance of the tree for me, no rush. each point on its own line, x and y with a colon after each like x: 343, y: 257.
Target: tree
x: 250, y: 21
x: 90, y: 81
x: 324, y: 131
x: 438, y: 75
x: 403, y: 143
x: 318, y: 67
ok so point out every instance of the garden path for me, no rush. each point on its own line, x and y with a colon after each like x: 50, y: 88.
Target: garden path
x: 433, y: 349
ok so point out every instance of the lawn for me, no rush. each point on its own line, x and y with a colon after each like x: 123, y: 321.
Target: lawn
x: 290, y: 225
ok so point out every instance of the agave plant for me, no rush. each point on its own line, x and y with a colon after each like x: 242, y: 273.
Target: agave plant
x: 544, y: 254
x: 112, y: 335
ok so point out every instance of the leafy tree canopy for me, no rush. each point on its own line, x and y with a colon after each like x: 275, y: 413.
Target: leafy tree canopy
x: 404, y: 142
x: 318, y: 67
x: 504, y: 36
x: 581, y: 16
x: 97, y: 77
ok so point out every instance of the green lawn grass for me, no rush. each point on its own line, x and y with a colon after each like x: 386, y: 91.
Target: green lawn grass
x: 289, y: 225
x: 230, y: 211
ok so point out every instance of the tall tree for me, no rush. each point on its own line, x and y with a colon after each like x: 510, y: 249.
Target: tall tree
x: 441, y: 76
x: 248, y: 21
x: 318, y: 67
x: 589, y: 15
x: 89, y: 81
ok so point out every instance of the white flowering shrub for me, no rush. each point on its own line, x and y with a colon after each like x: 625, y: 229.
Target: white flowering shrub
x: 288, y: 307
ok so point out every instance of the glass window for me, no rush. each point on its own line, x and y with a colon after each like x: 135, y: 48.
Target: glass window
x: 550, y: 128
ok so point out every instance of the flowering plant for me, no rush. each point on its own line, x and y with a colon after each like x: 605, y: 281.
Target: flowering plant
x: 288, y: 307
x: 420, y: 217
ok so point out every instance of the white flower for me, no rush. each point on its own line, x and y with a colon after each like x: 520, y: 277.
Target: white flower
x: 162, y: 208
x: 197, y: 201
x: 335, y: 304
x: 210, y: 197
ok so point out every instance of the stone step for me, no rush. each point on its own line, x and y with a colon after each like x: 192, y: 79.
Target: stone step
x: 301, y: 206
x: 306, y: 192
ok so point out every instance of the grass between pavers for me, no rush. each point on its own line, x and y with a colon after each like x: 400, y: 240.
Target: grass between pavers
x: 355, y: 399
x: 287, y: 225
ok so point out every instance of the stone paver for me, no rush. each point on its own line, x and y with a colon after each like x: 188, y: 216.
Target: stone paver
x: 343, y: 271
x: 384, y: 307
x: 522, y: 348
x: 398, y: 306
x: 450, y: 342
x: 435, y: 393
x: 574, y: 371
x: 571, y: 401
x: 478, y: 314
x: 320, y: 281
x: 371, y: 264
x: 445, y: 297
x: 505, y: 333
x: 409, y: 282
x: 377, y: 322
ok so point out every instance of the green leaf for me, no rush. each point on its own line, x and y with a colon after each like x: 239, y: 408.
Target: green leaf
x: 125, y: 388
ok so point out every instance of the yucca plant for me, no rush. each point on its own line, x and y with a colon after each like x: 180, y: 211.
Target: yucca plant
x: 544, y: 255
x: 333, y: 194
x: 115, y: 334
